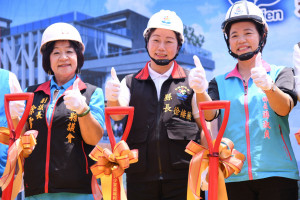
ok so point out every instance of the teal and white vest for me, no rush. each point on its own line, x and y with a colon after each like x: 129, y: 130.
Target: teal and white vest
x: 256, y: 130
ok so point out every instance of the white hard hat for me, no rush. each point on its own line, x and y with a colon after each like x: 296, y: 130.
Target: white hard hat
x: 242, y: 10
x: 166, y: 19
x: 61, y: 31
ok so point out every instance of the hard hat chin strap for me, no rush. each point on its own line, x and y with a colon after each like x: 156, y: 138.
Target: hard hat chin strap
x: 162, y: 62
x: 245, y: 56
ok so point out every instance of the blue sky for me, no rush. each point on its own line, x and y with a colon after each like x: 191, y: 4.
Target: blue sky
x: 206, y: 16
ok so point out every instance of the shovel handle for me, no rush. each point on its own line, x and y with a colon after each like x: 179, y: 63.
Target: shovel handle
x: 118, y: 111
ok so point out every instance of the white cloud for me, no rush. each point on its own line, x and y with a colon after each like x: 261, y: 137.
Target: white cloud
x: 141, y: 6
x: 198, y: 29
x: 207, y: 8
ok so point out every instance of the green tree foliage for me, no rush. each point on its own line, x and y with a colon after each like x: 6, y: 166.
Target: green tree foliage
x: 191, y: 37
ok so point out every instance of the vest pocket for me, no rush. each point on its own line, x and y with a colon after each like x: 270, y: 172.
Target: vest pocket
x: 180, y: 134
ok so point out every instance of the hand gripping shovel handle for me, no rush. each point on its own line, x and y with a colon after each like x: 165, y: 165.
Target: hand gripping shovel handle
x: 118, y: 111
x: 214, y: 148
x: 15, y: 134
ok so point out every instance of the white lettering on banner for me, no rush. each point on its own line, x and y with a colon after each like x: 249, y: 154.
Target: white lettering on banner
x: 258, y: 2
x: 297, y: 8
x: 272, y: 15
x: 266, y: 2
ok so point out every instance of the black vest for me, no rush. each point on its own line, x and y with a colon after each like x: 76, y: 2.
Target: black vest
x: 60, y: 161
x: 161, y: 128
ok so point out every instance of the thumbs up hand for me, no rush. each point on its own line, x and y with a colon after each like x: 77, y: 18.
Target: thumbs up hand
x: 260, y: 76
x: 296, y: 60
x: 197, y: 77
x: 112, y: 87
x: 74, y: 100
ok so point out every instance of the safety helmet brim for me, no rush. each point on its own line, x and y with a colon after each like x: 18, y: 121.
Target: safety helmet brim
x: 165, y: 19
x: 60, y: 31
x: 244, y: 10
x: 239, y: 18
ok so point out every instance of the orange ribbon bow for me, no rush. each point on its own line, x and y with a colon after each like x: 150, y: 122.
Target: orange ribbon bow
x: 230, y: 161
x: 25, y: 145
x: 110, y: 167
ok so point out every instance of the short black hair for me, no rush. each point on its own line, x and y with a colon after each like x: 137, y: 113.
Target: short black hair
x: 47, y: 50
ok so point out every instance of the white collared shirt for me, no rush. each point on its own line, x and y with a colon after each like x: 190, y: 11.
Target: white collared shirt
x: 158, y: 80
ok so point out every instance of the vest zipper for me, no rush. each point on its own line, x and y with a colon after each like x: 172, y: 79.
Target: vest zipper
x: 48, y: 147
x: 245, y: 87
x: 47, y: 155
x: 158, y: 146
x: 247, y: 129
x: 48, y: 144
x: 158, y: 136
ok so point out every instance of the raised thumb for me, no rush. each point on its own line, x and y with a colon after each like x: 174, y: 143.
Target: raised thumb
x: 114, y: 74
x: 75, y: 84
x: 258, y: 60
x: 198, y: 63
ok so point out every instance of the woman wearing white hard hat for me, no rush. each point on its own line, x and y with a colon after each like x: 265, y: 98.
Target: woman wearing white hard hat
x: 69, y: 116
x: 165, y: 117
x: 261, y: 95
